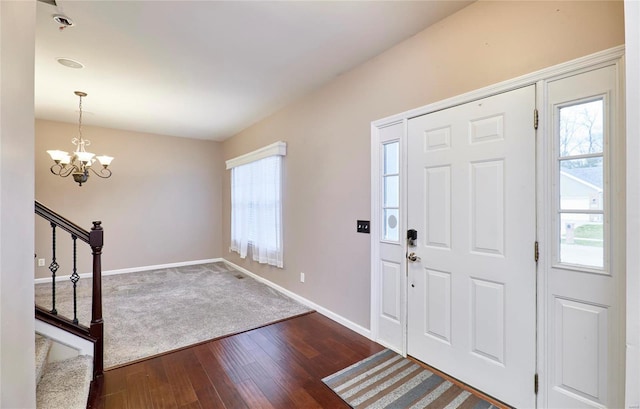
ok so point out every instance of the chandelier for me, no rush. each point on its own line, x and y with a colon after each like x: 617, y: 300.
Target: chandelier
x: 79, y: 163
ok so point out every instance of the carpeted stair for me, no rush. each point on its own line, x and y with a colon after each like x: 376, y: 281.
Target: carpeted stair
x: 63, y: 384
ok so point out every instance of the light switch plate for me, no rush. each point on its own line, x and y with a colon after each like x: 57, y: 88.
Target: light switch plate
x: 363, y: 226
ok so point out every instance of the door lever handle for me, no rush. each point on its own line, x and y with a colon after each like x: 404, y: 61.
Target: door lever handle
x: 413, y: 257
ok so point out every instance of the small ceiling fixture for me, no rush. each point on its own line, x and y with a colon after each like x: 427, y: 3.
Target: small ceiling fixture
x: 68, y: 62
x: 63, y: 20
x: 78, y: 164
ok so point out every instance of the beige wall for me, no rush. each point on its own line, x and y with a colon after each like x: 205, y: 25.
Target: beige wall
x: 162, y: 204
x: 17, y: 349
x: 327, y: 181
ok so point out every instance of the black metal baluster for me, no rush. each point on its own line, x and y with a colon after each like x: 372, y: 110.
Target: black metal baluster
x: 53, y: 267
x: 74, y: 279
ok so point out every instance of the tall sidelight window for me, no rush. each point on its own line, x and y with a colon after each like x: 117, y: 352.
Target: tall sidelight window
x: 391, y: 191
x: 256, y: 204
x: 581, y: 183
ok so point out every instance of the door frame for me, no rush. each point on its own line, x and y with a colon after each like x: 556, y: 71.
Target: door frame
x: 613, y: 56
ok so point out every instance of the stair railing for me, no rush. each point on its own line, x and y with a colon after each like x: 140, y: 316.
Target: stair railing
x: 94, y: 238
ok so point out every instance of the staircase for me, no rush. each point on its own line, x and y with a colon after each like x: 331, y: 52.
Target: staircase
x: 61, y: 383
x: 63, y: 374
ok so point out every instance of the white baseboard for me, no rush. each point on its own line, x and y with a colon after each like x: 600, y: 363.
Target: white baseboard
x: 134, y: 269
x: 327, y: 313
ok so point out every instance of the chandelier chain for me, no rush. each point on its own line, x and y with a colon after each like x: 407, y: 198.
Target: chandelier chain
x: 80, y: 119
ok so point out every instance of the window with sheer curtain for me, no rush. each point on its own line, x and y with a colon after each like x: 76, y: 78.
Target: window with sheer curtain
x: 256, y: 204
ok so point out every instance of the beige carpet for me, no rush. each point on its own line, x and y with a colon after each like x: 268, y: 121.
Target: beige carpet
x: 65, y: 384
x: 151, y: 312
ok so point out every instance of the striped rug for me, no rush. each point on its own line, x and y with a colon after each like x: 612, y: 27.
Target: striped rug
x: 387, y: 380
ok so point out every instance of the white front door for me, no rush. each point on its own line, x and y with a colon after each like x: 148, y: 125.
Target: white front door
x: 584, y: 274
x: 472, y: 287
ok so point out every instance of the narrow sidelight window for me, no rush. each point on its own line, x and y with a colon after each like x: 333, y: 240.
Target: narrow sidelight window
x: 581, y: 176
x: 391, y: 191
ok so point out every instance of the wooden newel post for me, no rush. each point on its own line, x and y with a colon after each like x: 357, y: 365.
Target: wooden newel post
x: 97, y: 325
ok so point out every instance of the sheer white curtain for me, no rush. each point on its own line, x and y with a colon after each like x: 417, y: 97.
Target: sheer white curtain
x: 256, y: 210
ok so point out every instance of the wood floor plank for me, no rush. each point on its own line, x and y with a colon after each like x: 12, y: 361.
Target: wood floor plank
x: 253, y: 396
x: 156, y: 372
x: 163, y: 398
x: 232, y: 358
x: 205, y: 391
x: 223, y: 385
x: 324, y: 396
x: 178, y: 378
x: 245, y: 339
x: 292, y: 377
x: 160, y: 388
x: 294, y: 337
x: 192, y: 405
x: 116, y: 400
x: 270, y: 388
x: 274, y: 350
x: 138, y: 393
x: 210, y: 399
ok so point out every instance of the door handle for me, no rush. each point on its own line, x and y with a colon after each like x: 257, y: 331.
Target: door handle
x: 413, y: 257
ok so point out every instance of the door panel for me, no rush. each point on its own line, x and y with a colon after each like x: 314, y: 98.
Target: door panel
x: 471, y: 196
x: 581, y: 345
x: 487, y: 315
x: 438, y: 206
x: 391, y: 288
x: 487, y: 207
x: 438, y: 300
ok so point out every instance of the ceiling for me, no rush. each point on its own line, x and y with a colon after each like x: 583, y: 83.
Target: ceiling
x: 207, y: 69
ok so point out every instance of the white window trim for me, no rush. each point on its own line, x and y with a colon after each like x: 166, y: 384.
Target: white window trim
x: 275, y: 149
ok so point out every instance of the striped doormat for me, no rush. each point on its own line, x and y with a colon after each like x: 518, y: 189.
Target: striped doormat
x: 387, y: 380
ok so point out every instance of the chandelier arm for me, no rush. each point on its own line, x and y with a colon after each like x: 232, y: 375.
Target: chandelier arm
x: 63, y: 171
x: 104, y: 172
x: 56, y: 169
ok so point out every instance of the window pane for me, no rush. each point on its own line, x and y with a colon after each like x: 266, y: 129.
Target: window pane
x: 581, y: 129
x: 256, y: 210
x: 391, y: 191
x: 582, y: 239
x: 581, y: 184
x: 391, y: 158
x: 391, y: 225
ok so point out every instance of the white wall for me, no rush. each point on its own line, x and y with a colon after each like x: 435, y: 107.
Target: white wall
x: 632, y: 36
x: 17, y: 345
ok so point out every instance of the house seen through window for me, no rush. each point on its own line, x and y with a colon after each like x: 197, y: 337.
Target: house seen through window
x: 581, y: 207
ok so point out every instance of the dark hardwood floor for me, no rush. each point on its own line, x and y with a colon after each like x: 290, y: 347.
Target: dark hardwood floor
x: 277, y: 366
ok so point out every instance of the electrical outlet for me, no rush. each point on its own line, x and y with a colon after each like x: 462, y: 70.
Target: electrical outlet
x: 362, y: 226
x: 302, y: 277
x: 40, y: 262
